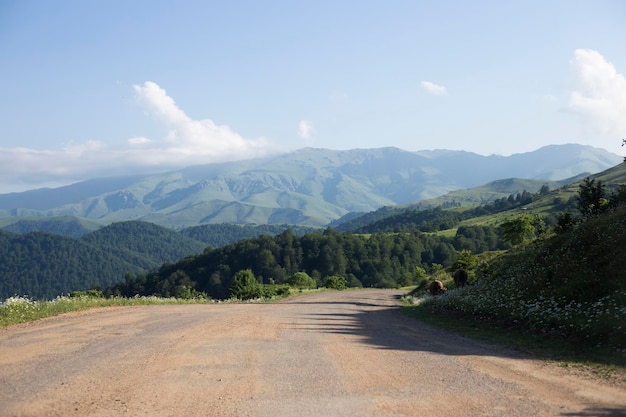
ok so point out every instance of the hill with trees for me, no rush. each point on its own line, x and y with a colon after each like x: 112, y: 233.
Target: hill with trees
x: 569, y: 284
x: 143, y: 244
x: 65, y: 225
x: 132, y: 258
x: 218, y: 235
x: 44, y: 265
x: 379, y: 260
x: 504, y: 194
x: 386, y: 257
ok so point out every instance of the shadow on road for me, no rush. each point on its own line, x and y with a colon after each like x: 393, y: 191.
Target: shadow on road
x: 598, y: 412
x: 377, y: 321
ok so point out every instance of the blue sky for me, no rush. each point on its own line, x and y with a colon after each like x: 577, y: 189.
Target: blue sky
x: 103, y: 88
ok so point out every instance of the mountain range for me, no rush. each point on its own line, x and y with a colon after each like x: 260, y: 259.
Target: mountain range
x: 310, y: 187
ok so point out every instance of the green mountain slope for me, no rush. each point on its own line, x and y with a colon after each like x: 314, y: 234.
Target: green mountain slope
x: 462, y: 199
x: 569, y: 287
x: 549, y: 206
x: 45, y: 265
x: 499, y: 201
x: 308, y: 187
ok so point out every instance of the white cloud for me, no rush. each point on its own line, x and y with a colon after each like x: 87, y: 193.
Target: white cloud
x: 434, y: 89
x: 599, y: 95
x: 193, y: 141
x: 305, y: 131
x: 138, y: 140
x: 188, y: 142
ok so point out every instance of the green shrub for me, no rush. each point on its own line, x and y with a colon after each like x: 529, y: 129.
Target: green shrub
x: 336, y: 282
x: 271, y: 291
x: 245, y: 286
x: 302, y: 281
x: 88, y: 293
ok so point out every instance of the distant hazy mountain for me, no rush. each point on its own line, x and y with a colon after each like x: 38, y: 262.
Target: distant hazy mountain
x: 307, y: 187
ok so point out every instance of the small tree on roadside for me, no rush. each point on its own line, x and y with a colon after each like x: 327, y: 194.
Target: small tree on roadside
x: 245, y: 286
x: 336, y: 282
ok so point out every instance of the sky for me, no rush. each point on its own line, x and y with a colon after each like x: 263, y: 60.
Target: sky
x: 105, y: 88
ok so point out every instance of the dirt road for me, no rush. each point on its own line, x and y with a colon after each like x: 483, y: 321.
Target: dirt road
x: 327, y: 354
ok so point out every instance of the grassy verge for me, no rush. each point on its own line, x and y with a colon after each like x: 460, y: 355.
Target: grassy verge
x: 600, y: 362
x: 17, y: 310
x: 21, y: 309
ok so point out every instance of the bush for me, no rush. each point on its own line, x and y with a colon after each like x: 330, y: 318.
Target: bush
x: 88, y: 293
x: 336, y: 282
x: 302, y: 280
x: 245, y: 286
x: 271, y: 291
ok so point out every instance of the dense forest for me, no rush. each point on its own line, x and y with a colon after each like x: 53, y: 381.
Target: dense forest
x: 64, y: 226
x: 46, y: 265
x: 383, y: 260
x: 221, y: 234
x: 144, y: 244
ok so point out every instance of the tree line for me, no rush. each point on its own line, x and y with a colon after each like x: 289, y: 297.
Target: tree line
x: 384, y: 260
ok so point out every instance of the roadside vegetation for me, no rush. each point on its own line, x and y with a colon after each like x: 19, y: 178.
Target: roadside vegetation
x: 559, y: 291
x: 16, y: 310
x: 245, y: 288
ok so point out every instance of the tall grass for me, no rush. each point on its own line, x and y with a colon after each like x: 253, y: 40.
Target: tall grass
x: 16, y: 310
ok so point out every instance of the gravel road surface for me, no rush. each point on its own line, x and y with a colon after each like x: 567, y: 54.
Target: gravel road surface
x: 348, y: 353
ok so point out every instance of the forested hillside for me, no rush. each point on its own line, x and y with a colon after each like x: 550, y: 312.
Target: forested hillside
x: 437, y: 219
x: 217, y: 235
x: 144, y: 244
x: 386, y: 258
x: 65, y: 226
x: 569, y: 285
x: 378, y: 260
x: 496, y: 196
x: 46, y: 265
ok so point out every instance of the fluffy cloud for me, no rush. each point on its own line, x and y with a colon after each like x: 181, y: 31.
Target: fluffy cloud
x: 191, y: 141
x: 187, y: 142
x: 434, y: 89
x: 305, y: 130
x: 599, y: 95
